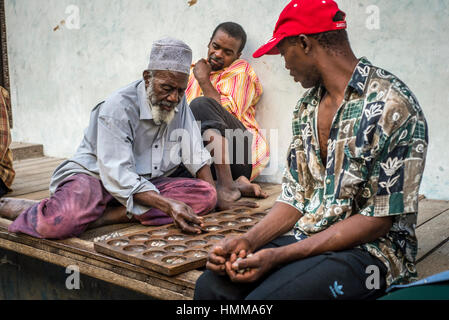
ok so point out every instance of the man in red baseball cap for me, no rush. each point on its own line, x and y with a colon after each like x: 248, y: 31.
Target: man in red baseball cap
x: 344, y: 224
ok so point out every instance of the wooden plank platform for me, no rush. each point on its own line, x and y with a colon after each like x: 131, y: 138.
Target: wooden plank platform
x: 22, y: 150
x: 32, y: 180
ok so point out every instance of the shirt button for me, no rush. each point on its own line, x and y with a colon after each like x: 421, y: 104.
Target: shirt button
x: 155, y: 168
x: 156, y: 146
x: 328, y: 181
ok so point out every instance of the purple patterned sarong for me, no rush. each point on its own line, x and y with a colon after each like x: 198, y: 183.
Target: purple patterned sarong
x: 81, y: 199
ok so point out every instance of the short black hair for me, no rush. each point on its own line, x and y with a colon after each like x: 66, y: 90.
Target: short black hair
x: 332, y: 40
x: 234, y: 30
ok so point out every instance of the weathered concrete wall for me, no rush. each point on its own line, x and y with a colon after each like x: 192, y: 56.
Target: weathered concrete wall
x: 57, y: 77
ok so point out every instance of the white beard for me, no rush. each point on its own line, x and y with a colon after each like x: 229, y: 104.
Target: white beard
x: 160, y: 115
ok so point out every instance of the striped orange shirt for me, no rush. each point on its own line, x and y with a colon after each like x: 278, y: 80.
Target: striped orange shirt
x: 7, y: 172
x: 240, y: 90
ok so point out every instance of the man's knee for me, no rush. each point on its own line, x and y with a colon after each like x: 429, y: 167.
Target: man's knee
x: 205, y: 287
x: 78, y: 201
x: 208, y: 197
x: 202, y: 288
x: 211, y: 286
x: 200, y: 195
x: 199, y: 105
x: 56, y: 220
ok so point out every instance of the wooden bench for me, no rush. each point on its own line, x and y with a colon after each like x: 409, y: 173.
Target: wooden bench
x: 33, y: 176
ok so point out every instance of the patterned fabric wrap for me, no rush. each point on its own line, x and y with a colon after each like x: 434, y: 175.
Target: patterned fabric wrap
x: 375, y: 160
x: 81, y: 199
x: 240, y: 90
x: 7, y: 172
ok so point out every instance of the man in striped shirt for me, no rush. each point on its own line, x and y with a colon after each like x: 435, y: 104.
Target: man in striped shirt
x: 223, y: 91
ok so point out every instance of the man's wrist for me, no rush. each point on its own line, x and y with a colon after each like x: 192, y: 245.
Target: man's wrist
x: 204, y: 82
x: 251, y: 241
x: 154, y: 200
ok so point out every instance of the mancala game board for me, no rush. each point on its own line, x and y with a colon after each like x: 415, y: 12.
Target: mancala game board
x: 169, y: 251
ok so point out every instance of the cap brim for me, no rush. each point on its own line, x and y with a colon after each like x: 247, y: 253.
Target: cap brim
x: 268, y: 48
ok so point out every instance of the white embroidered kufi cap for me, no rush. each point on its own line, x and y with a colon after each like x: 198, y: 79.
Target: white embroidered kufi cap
x: 170, y: 54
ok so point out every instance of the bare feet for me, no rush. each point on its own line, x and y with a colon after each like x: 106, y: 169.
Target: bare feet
x: 228, y: 193
x: 248, y: 189
x: 114, y: 215
x: 11, y: 208
x: 228, y: 198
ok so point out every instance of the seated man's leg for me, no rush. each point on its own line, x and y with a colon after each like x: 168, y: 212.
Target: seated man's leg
x: 198, y: 194
x: 229, y: 164
x: 333, y: 275
x: 330, y: 276
x: 78, y: 201
x: 213, y: 116
x: 11, y: 208
x: 211, y: 286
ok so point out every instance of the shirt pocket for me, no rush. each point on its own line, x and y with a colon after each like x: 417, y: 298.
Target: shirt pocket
x: 172, y: 154
x: 353, y: 174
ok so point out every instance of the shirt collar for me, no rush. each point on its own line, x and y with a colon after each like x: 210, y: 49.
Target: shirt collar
x: 360, y: 76
x: 144, y: 104
x: 357, y: 82
x: 312, y: 98
x: 145, y: 110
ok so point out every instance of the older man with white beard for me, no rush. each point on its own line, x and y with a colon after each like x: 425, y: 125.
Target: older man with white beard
x: 126, y: 167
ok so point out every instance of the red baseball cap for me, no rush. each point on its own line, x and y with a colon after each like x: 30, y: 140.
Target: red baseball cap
x: 303, y: 17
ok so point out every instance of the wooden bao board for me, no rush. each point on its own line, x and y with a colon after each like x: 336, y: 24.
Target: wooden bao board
x: 169, y: 251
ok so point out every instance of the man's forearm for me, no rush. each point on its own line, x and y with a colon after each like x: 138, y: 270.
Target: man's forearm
x: 209, y: 90
x: 344, y: 235
x: 152, y: 199
x: 281, y: 219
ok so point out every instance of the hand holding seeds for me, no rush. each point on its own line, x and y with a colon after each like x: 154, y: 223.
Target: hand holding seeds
x: 242, y: 271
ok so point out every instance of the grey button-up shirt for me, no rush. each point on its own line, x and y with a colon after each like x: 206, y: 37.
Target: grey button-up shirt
x: 126, y: 149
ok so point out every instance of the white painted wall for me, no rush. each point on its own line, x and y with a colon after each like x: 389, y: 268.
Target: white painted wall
x: 57, y: 77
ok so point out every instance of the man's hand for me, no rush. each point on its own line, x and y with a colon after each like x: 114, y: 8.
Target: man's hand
x: 184, y: 217
x: 251, y: 267
x: 202, y: 71
x: 226, y: 250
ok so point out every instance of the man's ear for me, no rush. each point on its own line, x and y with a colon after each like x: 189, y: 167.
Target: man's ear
x: 305, y: 43
x: 147, y: 77
x: 146, y: 74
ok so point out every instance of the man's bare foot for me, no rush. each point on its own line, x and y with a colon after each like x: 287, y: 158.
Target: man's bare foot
x: 228, y: 193
x: 248, y: 189
x: 11, y: 208
x: 114, y: 215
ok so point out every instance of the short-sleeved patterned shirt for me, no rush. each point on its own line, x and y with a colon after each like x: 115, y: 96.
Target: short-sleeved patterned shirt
x: 376, y: 155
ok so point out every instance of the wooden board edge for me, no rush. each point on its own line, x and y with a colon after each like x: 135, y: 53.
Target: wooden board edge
x: 92, y: 271
x: 86, y: 249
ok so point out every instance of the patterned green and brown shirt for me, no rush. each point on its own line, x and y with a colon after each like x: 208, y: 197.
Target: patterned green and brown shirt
x: 376, y: 155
